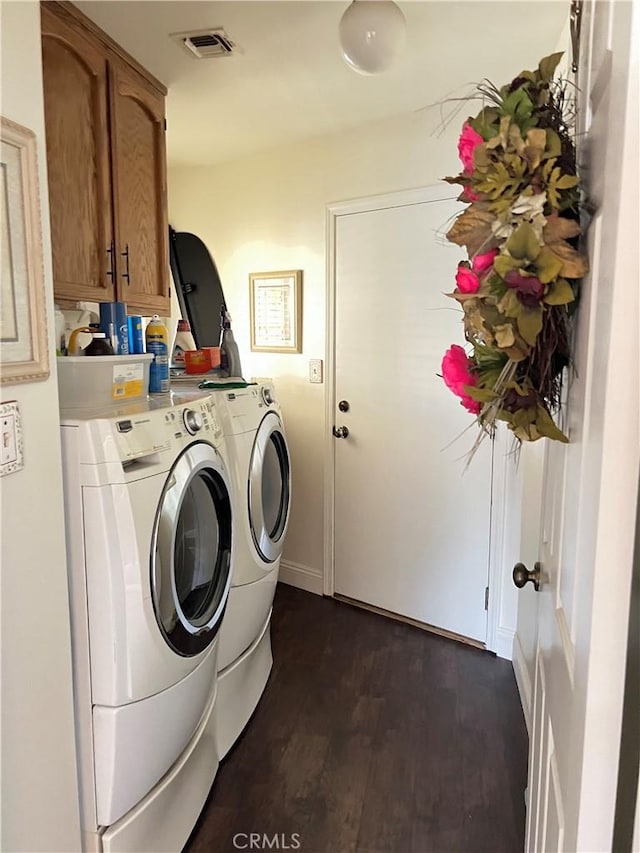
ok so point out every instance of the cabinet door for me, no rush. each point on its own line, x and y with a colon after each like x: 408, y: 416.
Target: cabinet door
x: 76, y: 112
x: 139, y: 191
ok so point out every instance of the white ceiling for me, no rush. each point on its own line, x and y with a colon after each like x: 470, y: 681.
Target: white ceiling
x: 288, y: 80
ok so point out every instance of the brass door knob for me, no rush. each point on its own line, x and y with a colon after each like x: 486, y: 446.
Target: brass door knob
x: 522, y: 575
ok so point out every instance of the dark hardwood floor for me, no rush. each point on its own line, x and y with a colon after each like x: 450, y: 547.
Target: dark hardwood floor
x: 372, y: 736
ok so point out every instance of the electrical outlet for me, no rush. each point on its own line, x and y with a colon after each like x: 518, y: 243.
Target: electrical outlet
x: 10, y: 438
x: 315, y: 370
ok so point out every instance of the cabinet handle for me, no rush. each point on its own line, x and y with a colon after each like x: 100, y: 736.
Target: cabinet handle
x: 111, y: 251
x: 125, y: 255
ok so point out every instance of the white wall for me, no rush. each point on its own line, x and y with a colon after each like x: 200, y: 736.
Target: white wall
x: 39, y: 785
x: 268, y: 213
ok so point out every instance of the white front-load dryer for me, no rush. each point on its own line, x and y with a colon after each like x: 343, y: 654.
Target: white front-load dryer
x: 260, y: 471
x: 149, y: 521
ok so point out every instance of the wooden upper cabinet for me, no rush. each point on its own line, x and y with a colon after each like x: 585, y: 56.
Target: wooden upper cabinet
x: 105, y: 132
x: 76, y: 113
x: 140, y: 194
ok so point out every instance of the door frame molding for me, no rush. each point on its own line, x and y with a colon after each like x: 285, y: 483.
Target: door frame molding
x: 502, y: 610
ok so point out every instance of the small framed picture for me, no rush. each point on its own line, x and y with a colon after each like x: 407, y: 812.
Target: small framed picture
x: 24, y: 354
x: 276, y: 311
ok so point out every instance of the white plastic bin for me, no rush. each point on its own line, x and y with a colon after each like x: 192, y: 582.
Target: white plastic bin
x: 102, y: 379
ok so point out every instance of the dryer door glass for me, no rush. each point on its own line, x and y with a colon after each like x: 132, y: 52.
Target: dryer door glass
x: 190, y: 571
x: 269, y: 488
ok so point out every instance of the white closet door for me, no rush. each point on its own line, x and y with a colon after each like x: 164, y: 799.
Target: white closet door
x: 411, y: 530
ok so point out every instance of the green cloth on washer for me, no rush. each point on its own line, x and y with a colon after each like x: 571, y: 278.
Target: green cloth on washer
x: 212, y: 385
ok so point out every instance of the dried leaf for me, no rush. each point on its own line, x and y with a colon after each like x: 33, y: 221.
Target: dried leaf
x: 559, y: 228
x: 504, y: 335
x: 473, y: 230
x: 510, y: 305
x: 574, y: 265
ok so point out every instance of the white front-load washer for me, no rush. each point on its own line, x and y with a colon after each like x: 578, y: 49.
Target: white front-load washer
x: 260, y: 472
x: 149, y: 523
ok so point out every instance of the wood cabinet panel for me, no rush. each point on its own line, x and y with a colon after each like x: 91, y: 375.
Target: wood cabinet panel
x: 106, y: 160
x: 76, y: 116
x: 139, y: 184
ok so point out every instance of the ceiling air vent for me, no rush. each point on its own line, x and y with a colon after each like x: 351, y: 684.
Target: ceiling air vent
x: 206, y: 44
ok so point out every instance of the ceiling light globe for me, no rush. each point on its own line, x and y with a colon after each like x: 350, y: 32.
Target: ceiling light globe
x: 372, y: 34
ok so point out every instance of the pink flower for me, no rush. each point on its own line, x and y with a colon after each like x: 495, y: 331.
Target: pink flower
x: 467, y: 144
x: 467, y: 280
x: 456, y: 372
x: 470, y: 195
x: 471, y: 405
x: 481, y: 263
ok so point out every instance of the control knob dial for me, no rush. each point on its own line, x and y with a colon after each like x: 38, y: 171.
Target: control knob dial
x: 192, y: 421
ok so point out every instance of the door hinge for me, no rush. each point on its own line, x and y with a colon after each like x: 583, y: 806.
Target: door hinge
x: 486, y: 598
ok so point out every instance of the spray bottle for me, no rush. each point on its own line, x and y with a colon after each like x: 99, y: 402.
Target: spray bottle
x: 229, y: 355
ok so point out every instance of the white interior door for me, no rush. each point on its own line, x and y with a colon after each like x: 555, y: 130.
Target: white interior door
x: 411, y: 530
x: 590, y: 486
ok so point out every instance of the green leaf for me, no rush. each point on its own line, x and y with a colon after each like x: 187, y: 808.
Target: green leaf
x: 547, y: 427
x: 503, y: 263
x: 554, y: 146
x: 560, y: 293
x: 548, y: 265
x: 548, y: 65
x: 530, y: 324
x: 488, y: 358
x: 485, y: 123
x: 517, y: 104
x: 482, y: 395
x: 566, y: 182
x: 523, y: 243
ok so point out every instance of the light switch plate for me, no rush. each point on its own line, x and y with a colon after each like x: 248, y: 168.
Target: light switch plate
x: 11, y: 455
x: 315, y: 370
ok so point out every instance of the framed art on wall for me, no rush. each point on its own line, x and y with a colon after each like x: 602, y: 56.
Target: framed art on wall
x: 275, y: 300
x: 24, y: 354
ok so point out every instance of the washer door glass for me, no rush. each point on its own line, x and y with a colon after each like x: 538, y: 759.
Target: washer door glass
x: 269, y: 488
x: 191, y: 555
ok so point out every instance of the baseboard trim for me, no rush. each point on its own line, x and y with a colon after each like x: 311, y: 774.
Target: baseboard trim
x: 504, y: 643
x: 302, y: 577
x: 523, y: 681
x: 397, y: 617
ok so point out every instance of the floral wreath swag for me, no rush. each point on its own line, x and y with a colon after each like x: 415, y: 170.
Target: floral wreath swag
x: 520, y: 231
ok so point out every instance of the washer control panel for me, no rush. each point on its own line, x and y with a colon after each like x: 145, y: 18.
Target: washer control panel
x: 157, y: 429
